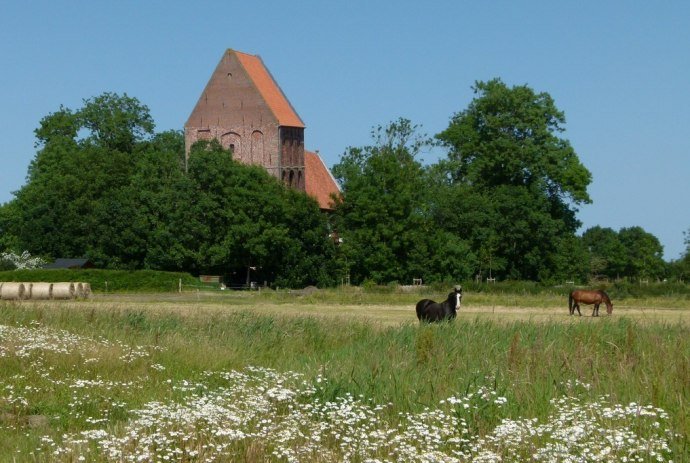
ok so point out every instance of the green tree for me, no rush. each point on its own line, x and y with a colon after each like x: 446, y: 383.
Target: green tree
x: 384, y: 217
x: 85, y: 158
x: 8, y: 217
x: 607, y: 253
x: 115, y: 122
x: 644, y: 253
x: 149, y: 221
x: 505, y: 145
x: 508, y: 136
x: 379, y: 217
x: 249, y: 224
x: 680, y: 268
x: 103, y: 185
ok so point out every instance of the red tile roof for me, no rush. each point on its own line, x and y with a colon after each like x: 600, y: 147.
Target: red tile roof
x: 269, y: 90
x: 319, y: 182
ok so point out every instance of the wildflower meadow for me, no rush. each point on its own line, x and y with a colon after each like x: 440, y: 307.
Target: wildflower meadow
x: 87, y: 382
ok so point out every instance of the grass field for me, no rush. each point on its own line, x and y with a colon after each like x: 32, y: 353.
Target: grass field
x: 342, y: 376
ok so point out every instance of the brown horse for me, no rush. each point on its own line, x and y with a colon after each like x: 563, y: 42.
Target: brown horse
x: 585, y: 296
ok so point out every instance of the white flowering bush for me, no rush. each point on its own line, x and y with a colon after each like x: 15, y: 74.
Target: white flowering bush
x: 21, y: 261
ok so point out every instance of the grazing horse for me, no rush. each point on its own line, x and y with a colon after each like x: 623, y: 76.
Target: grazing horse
x: 430, y: 311
x: 584, y: 296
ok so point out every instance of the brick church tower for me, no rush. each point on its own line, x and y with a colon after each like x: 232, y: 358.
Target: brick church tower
x: 243, y: 108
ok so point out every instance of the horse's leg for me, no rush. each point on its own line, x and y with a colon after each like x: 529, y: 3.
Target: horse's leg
x: 595, y: 310
x: 577, y: 306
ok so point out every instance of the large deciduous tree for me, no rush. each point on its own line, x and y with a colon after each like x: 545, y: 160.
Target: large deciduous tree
x: 85, y: 157
x: 631, y: 252
x: 607, y: 253
x: 104, y: 186
x: 644, y: 253
x: 384, y: 218
x: 251, y: 224
x: 506, y: 146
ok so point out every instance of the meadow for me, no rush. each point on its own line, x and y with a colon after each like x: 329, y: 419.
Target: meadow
x: 321, y: 376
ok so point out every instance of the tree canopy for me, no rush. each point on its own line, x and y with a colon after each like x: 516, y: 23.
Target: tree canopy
x: 384, y: 218
x: 105, y: 186
x: 503, y: 202
x: 508, y: 137
x: 505, y: 149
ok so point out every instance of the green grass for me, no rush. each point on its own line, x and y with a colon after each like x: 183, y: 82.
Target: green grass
x: 408, y: 365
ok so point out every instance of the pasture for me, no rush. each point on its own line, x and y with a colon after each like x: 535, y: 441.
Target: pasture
x: 342, y: 376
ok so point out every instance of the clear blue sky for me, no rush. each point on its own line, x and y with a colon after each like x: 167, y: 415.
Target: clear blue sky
x: 620, y: 70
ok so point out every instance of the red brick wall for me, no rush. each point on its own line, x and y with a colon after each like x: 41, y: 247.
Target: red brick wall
x: 232, y: 110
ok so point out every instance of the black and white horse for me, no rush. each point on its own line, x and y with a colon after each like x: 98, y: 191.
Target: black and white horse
x: 430, y: 311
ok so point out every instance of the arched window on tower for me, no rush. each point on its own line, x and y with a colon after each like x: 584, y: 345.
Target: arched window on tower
x: 257, y: 148
x: 231, y: 141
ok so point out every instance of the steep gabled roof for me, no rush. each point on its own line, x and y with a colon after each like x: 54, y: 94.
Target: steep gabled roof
x: 254, y: 90
x: 269, y: 90
x: 319, y: 182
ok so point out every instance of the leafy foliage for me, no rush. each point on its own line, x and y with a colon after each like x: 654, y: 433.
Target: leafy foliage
x: 503, y: 203
x: 253, y: 225
x: 680, y: 268
x: 388, y: 233
x: 504, y: 151
x: 507, y: 136
x: 103, y: 185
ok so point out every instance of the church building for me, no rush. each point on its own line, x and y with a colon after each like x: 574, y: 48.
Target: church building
x: 243, y: 108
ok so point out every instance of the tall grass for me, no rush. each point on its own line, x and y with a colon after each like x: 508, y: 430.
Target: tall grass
x: 411, y: 367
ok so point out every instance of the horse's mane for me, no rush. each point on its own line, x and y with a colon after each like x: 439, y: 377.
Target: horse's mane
x: 603, y: 293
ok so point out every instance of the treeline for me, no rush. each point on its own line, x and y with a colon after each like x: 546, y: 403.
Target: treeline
x: 503, y: 203
x: 105, y: 186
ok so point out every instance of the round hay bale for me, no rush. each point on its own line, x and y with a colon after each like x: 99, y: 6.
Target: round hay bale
x: 27, y: 290
x: 42, y: 291
x: 12, y: 291
x: 87, y: 290
x: 63, y: 291
x: 78, y: 289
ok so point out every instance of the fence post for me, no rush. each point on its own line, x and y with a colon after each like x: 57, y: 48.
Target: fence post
x: 179, y: 285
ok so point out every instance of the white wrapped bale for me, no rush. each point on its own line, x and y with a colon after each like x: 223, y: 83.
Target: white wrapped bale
x: 78, y: 289
x: 63, y: 291
x: 12, y: 291
x: 86, y: 289
x: 28, y: 287
x: 42, y: 291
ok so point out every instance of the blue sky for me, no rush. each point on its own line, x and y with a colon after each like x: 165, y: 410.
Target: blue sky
x: 619, y: 70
